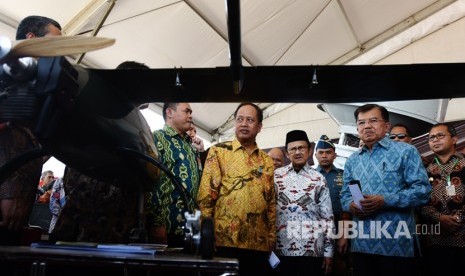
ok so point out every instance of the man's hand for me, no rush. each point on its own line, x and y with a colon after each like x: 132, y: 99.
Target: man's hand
x: 327, y: 265
x: 450, y: 223
x: 342, y: 245
x: 371, y: 204
x: 355, y: 211
x: 197, y: 142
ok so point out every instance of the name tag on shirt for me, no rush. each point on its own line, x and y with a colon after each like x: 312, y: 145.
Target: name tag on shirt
x: 450, y: 190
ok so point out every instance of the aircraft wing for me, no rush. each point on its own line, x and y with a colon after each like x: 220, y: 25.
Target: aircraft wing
x: 311, y: 84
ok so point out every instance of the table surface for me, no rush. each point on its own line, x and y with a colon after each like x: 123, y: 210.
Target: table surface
x: 162, y: 260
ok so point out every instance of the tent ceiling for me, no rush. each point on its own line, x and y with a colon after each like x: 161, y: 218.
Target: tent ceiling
x: 193, y: 33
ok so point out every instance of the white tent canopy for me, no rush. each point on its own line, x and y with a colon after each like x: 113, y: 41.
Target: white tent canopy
x: 193, y: 33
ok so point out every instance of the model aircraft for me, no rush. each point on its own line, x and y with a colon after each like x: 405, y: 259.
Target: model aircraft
x: 87, y: 124
x: 45, y: 94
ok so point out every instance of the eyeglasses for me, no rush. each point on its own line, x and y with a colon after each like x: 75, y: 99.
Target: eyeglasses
x: 249, y: 120
x: 371, y: 121
x: 399, y: 135
x: 439, y: 136
x: 295, y: 149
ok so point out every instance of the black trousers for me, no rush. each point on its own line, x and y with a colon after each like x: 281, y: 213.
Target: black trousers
x: 444, y: 260
x: 300, y: 266
x: 251, y: 262
x: 379, y: 265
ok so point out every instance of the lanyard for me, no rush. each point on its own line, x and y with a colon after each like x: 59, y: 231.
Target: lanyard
x: 444, y: 171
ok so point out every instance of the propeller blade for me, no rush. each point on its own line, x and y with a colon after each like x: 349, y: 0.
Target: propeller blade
x: 56, y: 46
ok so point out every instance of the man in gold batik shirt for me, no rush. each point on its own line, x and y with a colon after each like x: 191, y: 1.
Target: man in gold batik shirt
x: 237, y: 190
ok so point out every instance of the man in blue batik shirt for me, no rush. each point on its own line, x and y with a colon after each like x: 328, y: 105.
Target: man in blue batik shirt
x: 393, y: 181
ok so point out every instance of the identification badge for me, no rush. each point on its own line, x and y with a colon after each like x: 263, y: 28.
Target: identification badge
x: 450, y: 190
x: 338, y: 179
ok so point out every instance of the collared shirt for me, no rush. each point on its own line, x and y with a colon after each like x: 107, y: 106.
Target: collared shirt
x: 96, y: 211
x: 304, y: 214
x: 443, y: 204
x: 237, y: 190
x: 334, y: 180
x: 57, y: 202
x: 176, y: 153
x: 395, y: 171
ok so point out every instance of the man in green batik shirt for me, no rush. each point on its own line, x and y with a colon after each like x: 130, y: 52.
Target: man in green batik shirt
x: 166, y: 208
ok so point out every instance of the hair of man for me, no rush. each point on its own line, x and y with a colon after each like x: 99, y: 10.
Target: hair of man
x: 368, y: 107
x: 257, y: 108
x: 38, y: 25
x: 168, y: 105
x: 404, y: 126
x: 130, y: 64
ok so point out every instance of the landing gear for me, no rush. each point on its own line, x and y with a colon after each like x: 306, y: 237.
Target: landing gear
x: 207, y: 240
x: 200, y: 235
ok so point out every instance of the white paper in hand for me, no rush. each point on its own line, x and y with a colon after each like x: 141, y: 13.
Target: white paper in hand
x: 356, y: 194
x: 274, y: 260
